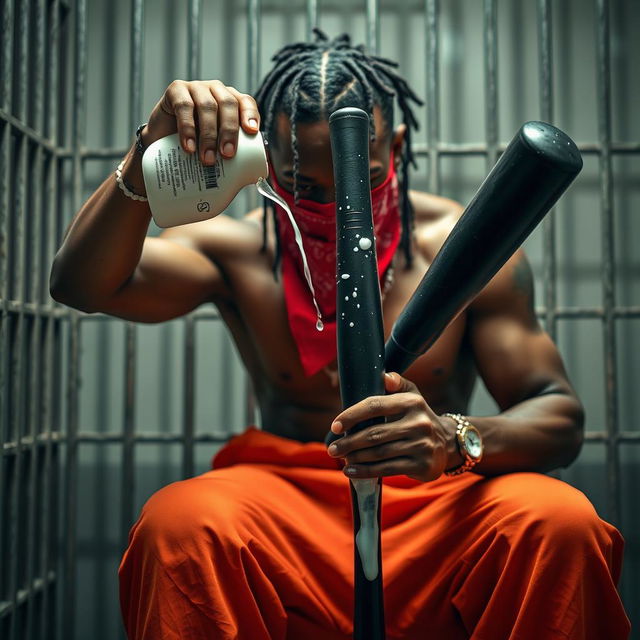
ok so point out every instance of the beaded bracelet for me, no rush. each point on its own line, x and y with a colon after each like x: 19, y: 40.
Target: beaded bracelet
x: 126, y: 188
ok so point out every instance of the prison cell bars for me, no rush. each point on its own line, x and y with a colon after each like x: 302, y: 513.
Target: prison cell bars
x: 30, y: 323
x: 19, y: 315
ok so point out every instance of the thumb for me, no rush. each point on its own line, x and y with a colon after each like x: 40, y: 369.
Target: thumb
x: 395, y: 383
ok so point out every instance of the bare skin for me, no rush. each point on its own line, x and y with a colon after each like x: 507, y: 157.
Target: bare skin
x: 107, y: 264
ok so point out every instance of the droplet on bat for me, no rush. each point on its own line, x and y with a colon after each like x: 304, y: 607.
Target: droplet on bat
x: 364, y: 243
x: 346, y: 276
x: 355, y: 248
x: 354, y: 294
x: 346, y: 297
x: 351, y: 324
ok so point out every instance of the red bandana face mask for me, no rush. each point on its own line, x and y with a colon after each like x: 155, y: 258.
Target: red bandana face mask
x: 317, y: 223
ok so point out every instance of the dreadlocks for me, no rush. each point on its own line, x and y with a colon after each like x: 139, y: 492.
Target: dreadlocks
x: 310, y: 80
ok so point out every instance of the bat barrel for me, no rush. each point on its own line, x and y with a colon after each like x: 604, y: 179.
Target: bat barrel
x: 536, y: 168
x: 360, y: 332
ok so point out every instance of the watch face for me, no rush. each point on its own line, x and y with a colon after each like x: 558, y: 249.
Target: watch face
x: 473, y: 443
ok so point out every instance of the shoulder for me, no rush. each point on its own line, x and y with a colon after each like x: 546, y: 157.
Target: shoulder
x: 511, y: 290
x: 434, y: 217
x: 221, y: 238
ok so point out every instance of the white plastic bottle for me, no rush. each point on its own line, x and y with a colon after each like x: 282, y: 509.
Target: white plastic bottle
x: 181, y: 189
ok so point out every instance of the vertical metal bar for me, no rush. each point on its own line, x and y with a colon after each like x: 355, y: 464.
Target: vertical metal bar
x: 432, y: 10
x: 373, y: 25
x: 37, y: 240
x: 128, y: 453
x: 490, y: 79
x: 35, y: 267
x: 137, y: 17
x: 7, y: 57
x: 188, y: 452
x: 608, y: 254
x: 6, y: 61
x: 312, y: 17
x: 37, y: 89
x: 545, y: 53
x: 71, y: 466
x: 19, y: 382
x: 194, y: 40
x: 49, y: 496
x: 253, y: 38
x: 71, y: 469
x: 23, y: 52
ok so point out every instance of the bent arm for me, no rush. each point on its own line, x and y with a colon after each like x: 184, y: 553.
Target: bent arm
x: 106, y: 263
x: 540, y: 426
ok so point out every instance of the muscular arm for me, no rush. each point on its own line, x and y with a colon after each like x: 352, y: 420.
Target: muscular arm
x: 540, y: 424
x: 107, y: 263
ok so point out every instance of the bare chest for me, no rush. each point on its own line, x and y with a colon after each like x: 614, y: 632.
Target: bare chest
x: 259, y: 323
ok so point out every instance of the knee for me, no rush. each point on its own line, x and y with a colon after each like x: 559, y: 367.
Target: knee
x: 187, y: 518
x: 559, y: 519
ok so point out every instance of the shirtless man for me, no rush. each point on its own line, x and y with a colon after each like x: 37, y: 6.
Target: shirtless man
x: 496, y: 553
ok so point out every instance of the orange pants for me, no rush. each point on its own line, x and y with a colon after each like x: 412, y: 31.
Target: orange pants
x: 262, y: 548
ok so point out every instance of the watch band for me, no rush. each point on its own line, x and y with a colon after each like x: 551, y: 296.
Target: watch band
x: 469, y: 462
x: 140, y: 148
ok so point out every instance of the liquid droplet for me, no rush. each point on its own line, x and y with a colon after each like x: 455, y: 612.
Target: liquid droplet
x: 319, y: 325
x: 364, y: 243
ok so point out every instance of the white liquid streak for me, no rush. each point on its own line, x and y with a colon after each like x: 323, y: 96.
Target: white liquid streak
x: 265, y: 189
x: 368, y: 492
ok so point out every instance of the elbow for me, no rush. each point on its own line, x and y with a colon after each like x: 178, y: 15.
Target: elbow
x: 62, y: 290
x: 574, y: 432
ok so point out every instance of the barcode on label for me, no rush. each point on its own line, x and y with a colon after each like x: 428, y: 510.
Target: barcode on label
x: 211, y: 175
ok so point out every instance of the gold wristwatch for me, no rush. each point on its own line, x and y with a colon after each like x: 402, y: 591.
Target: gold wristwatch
x: 469, y: 444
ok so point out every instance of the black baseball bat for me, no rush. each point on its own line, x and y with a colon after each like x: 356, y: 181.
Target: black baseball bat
x: 360, y: 338
x: 534, y: 171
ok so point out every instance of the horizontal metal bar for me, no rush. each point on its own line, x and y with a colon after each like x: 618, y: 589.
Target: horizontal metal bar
x: 620, y: 437
x: 30, y: 309
x: 95, y: 437
x: 41, y: 440
x: 419, y: 148
x: 22, y: 595
x: 30, y: 133
x: 34, y: 309
x: 453, y: 149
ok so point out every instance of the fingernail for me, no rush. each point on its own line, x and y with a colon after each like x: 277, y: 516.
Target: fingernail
x: 208, y: 156
x: 253, y: 123
x: 333, y: 449
x: 228, y: 149
x: 336, y: 427
x: 191, y: 145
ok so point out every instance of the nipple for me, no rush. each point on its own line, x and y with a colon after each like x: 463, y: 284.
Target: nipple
x: 265, y: 189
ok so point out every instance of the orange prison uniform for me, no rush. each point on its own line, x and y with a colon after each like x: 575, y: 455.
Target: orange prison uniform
x: 262, y: 548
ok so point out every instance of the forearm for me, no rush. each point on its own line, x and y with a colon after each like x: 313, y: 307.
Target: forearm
x: 539, y: 434
x: 103, y: 244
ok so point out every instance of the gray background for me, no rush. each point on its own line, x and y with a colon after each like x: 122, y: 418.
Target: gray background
x: 157, y: 364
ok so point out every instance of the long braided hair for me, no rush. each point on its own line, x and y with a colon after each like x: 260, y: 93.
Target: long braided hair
x: 310, y: 80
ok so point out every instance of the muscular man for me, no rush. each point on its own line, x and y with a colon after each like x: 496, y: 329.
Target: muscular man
x: 261, y: 546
